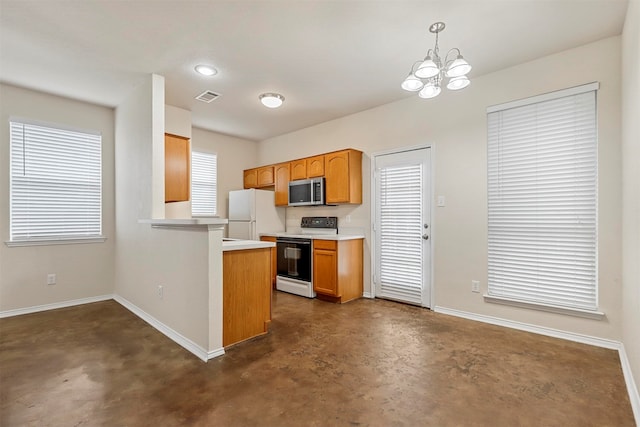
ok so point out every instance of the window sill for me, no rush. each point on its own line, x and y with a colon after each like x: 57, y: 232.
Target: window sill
x: 589, y: 314
x: 49, y: 242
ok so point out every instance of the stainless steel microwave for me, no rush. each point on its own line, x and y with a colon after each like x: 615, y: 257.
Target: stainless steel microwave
x: 306, y: 192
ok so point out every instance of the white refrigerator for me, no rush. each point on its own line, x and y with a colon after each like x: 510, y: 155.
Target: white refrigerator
x: 252, y: 212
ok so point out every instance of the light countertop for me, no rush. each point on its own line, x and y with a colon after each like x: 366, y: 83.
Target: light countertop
x: 316, y: 236
x: 186, y: 222
x: 242, y: 245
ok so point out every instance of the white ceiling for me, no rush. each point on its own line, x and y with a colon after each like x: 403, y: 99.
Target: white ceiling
x: 328, y: 58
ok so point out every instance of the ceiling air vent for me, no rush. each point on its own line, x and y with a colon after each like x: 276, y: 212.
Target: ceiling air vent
x: 207, y: 96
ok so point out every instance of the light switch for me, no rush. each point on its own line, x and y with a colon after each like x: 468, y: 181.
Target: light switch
x: 441, y: 201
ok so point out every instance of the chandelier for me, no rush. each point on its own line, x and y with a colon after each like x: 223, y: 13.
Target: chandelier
x: 430, y: 72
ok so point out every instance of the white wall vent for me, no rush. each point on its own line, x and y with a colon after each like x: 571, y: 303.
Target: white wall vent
x: 207, y: 96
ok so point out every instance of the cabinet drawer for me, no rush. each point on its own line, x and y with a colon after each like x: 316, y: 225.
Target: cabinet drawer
x: 330, y: 245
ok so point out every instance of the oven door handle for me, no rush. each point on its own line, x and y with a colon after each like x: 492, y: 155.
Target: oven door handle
x: 295, y: 242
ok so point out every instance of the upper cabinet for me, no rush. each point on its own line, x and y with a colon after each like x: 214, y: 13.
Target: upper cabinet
x: 281, y: 171
x: 315, y: 166
x: 298, y: 169
x: 259, y: 177
x: 343, y: 177
x: 176, y: 168
x: 342, y: 171
x: 265, y: 176
x: 251, y: 178
x: 309, y: 167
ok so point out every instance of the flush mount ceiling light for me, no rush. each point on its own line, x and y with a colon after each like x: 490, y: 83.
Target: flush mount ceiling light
x: 427, y: 77
x: 206, y: 70
x: 271, y: 100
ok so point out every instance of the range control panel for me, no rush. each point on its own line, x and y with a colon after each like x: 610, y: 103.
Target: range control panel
x: 319, y: 222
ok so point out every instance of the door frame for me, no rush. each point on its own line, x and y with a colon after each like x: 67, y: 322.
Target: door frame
x: 372, y: 168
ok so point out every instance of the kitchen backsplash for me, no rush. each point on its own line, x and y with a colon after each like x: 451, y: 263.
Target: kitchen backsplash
x: 351, y: 219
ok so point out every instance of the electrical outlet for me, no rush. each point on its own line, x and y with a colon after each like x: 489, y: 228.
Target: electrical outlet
x: 51, y: 279
x: 441, y: 201
x: 160, y: 291
x: 475, y: 286
x: 347, y: 218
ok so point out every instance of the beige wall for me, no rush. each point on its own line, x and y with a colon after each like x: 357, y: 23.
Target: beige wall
x: 83, y: 270
x: 234, y: 155
x: 455, y: 125
x: 147, y: 257
x: 631, y: 188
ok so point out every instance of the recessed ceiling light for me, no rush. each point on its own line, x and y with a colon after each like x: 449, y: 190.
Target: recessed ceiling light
x: 206, y: 70
x: 271, y: 100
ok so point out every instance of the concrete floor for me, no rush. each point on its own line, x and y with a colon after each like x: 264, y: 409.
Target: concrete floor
x: 365, y: 363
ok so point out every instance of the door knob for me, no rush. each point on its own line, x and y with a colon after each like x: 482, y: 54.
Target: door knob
x: 425, y: 236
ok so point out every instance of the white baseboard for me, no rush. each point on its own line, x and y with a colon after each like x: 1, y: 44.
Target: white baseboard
x: 632, y: 389
x: 541, y: 330
x: 634, y: 396
x: 53, y: 306
x: 178, y: 338
x: 367, y: 295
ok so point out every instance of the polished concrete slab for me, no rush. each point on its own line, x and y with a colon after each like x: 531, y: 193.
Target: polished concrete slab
x: 365, y: 363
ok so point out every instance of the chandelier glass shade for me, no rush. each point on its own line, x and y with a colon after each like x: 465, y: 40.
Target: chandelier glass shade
x: 426, y: 76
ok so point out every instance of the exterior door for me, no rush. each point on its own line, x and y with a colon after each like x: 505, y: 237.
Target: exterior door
x: 402, y: 226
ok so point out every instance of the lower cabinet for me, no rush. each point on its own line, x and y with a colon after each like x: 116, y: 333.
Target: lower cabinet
x: 274, y: 259
x: 246, y: 294
x: 337, y: 269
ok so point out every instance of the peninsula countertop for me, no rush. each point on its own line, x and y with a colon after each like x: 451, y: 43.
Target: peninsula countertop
x: 241, y: 245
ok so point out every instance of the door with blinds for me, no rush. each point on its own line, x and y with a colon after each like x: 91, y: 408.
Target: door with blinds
x: 402, y: 227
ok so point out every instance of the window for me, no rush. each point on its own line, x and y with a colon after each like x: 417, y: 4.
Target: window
x: 203, y: 184
x: 56, y: 183
x: 542, y: 188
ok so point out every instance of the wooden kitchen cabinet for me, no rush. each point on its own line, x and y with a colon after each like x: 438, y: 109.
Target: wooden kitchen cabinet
x: 281, y: 172
x: 265, y: 176
x: 251, y: 178
x: 298, y: 169
x: 309, y: 167
x: 337, y: 269
x: 177, y: 173
x: 274, y: 259
x: 343, y: 176
x: 315, y: 166
x: 342, y: 171
x: 259, y: 177
x: 246, y: 294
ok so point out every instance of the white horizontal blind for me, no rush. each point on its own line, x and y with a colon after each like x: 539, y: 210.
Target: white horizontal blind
x: 400, y: 231
x: 542, y: 184
x: 56, y: 183
x: 203, y: 184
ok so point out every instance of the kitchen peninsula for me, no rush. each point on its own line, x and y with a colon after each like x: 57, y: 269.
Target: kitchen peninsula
x: 239, y: 297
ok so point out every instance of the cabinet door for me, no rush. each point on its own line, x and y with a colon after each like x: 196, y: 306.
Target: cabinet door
x: 265, y: 176
x: 298, y: 169
x: 325, y: 272
x: 282, y: 184
x: 274, y: 260
x: 251, y: 178
x: 336, y: 167
x: 176, y: 168
x: 315, y: 166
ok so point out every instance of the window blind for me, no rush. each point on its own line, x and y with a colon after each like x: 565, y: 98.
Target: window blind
x: 542, y: 195
x: 203, y: 184
x: 56, y: 183
x: 401, y: 233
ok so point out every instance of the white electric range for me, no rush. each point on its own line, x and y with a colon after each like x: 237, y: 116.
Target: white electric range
x: 295, y: 255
